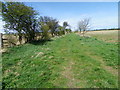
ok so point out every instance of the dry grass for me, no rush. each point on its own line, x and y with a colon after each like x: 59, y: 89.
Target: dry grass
x: 105, y: 35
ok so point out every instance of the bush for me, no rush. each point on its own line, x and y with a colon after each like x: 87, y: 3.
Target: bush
x: 45, y: 34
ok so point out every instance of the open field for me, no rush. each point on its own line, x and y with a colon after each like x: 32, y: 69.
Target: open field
x: 107, y: 35
x: 69, y: 61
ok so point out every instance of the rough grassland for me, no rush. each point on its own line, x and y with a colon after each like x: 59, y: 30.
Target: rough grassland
x: 106, y: 35
x: 66, y: 62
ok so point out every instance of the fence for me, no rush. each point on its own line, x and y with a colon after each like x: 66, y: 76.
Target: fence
x: 8, y: 40
x: 0, y: 40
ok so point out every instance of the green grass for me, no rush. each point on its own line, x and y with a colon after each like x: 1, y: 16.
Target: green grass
x: 68, y: 61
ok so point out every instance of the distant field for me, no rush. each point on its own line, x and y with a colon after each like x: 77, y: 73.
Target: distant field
x: 106, y: 35
x: 69, y: 61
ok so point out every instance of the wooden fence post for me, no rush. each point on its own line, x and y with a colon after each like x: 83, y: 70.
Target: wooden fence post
x: 1, y: 41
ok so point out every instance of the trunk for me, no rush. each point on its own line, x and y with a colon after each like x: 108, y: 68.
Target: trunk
x: 80, y: 30
x: 83, y: 32
x: 52, y: 33
x: 20, y: 38
x: 31, y: 38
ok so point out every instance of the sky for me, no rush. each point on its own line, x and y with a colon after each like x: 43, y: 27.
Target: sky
x: 101, y: 14
x: 63, y: 0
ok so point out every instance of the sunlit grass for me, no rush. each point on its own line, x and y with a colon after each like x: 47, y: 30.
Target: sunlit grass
x: 50, y: 64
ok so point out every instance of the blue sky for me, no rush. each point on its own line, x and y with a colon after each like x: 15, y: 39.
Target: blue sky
x: 102, y: 14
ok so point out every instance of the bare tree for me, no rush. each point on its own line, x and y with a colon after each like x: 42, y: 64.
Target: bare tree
x: 84, y: 25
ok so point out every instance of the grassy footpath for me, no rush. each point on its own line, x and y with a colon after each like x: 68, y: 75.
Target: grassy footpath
x: 68, y: 61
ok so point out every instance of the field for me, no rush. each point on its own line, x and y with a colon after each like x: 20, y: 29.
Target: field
x: 69, y: 61
x: 107, y: 35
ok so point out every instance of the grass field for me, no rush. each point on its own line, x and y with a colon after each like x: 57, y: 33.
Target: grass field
x: 106, y: 35
x: 69, y: 61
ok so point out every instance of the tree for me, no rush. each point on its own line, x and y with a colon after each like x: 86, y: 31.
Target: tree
x: 61, y: 31
x: 65, y: 24
x: 52, y: 23
x: 45, y: 29
x: 20, y: 18
x: 84, y: 25
x: 68, y: 30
